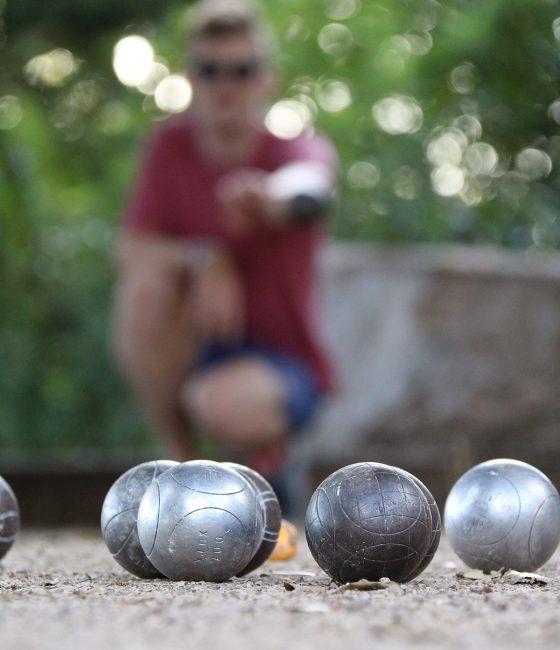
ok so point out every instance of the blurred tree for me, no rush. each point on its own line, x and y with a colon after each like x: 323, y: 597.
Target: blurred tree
x: 445, y: 116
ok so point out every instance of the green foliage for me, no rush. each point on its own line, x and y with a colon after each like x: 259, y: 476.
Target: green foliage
x: 445, y: 117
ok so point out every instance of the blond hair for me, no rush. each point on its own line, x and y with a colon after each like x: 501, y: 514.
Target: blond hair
x: 222, y: 18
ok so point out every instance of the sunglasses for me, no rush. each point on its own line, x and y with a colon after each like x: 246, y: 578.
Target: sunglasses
x: 241, y: 70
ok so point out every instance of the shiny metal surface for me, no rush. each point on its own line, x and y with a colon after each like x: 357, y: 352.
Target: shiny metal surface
x: 436, y: 527
x: 503, y: 513
x: 271, y: 512
x: 9, y: 517
x: 368, y: 521
x: 119, y: 513
x: 200, y: 520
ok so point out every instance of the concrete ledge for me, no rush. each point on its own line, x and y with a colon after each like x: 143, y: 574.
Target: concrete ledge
x: 446, y: 356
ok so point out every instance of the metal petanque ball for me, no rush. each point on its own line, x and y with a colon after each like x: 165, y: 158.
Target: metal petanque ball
x: 503, y: 513
x: 369, y: 521
x: 9, y: 517
x: 271, y: 511
x: 436, y: 526
x: 119, y: 514
x: 200, y: 520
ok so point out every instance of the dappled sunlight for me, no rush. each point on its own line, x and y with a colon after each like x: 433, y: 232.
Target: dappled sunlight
x: 469, y: 125
x: 447, y: 147
x: 556, y: 28
x: 136, y: 65
x: 481, y: 158
x: 472, y: 193
x: 398, y: 114
x: 333, y: 96
x: 51, y: 68
x: 341, y: 9
x: 335, y: 39
x: 415, y: 43
x: 364, y: 174
x: 173, y: 94
x: 11, y: 112
x: 463, y: 78
x: 447, y: 180
x: 424, y: 15
x: 288, y: 118
x: 157, y: 73
x: 463, y: 166
x: 445, y: 117
x: 432, y: 110
x: 533, y: 163
x: 554, y: 111
x: 133, y: 57
x: 80, y: 100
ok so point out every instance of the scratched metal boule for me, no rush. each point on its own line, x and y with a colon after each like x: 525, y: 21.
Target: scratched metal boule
x: 503, y: 513
x: 9, y: 517
x: 272, y: 515
x: 370, y: 521
x: 119, y: 513
x: 200, y: 520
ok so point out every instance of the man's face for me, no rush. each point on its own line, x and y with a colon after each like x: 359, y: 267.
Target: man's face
x: 229, y: 79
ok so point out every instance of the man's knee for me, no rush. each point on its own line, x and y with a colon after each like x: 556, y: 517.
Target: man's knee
x: 229, y: 411
x: 211, y: 404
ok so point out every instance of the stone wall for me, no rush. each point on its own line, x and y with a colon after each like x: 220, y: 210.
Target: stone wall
x: 446, y: 356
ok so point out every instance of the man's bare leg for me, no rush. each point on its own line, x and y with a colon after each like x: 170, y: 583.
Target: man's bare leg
x: 151, y: 341
x: 239, y: 403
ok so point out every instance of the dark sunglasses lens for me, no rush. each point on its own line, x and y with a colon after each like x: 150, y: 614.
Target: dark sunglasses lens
x: 246, y: 70
x: 211, y: 70
x: 207, y: 70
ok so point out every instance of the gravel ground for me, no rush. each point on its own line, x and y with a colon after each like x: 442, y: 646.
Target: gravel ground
x: 61, y: 589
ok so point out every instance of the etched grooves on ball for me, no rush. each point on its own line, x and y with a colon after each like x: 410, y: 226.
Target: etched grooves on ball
x: 370, y: 520
x: 201, y: 520
x: 503, y: 513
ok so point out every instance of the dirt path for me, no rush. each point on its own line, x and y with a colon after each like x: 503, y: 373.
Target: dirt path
x: 61, y: 589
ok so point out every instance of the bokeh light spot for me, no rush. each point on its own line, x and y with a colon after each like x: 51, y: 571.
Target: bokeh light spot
x: 447, y: 180
x: 533, y: 163
x: 288, y: 118
x: 335, y: 39
x: 333, y: 96
x: 133, y: 57
x: 447, y: 148
x: 51, y: 68
x: 11, y: 112
x: 481, y: 158
x: 556, y: 28
x: 469, y: 125
x: 364, y: 174
x: 158, y: 72
x: 425, y: 14
x: 173, y: 94
x: 417, y: 43
x: 554, y: 111
x: 471, y: 193
x: 341, y: 9
x: 398, y: 114
x: 463, y: 78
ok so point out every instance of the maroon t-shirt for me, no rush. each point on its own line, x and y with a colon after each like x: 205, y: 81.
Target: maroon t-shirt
x: 175, y: 196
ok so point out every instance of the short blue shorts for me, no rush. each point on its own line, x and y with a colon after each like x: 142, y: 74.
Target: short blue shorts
x: 302, y: 392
